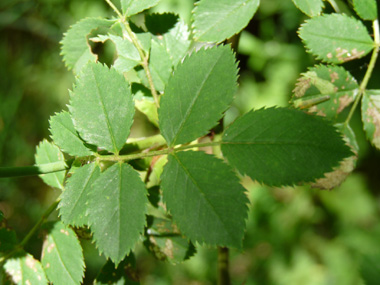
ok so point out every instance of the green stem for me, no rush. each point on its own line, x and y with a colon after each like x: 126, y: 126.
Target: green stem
x: 223, y: 266
x: 115, y: 9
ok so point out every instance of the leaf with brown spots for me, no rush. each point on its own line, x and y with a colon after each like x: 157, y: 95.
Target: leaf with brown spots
x: 371, y: 116
x: 325, y: 90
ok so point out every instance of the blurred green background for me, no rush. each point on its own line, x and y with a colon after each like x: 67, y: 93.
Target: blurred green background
x: 294, y: 235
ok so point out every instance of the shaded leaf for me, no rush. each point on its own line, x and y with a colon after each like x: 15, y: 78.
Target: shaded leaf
x: 279, y: 146
x: 144, y: 103
x: 132, y: 7
x: 102, y: 107
x: 336, y: 38
x: 74, y: 198
x: 8, y: 239
x: 366, y: 9
x: 62, y: 256
x: 47, y: 152
x: 311, y: 8
x: 371, y: 116
x: 159, y: 64
x: 116, y: 210
x: 215, y: 21
x: 325, y: 90
x: 65, y: 135
x: 124, y: 274
x: 75, y: 49
x: 198, y: 93
x: 205, y: 198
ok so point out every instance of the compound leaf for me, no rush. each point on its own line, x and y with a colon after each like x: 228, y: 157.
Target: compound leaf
x: 336, y: 38
x: 124, y: 274
x: 132, y: 7
x: 102, y: 107
x: 24, y: 269
x: 199, y: 91
x: 371, y: 116
x: 75, y: 49
x: 73, y: 204
x: 215, y: 21
x: 325, y: 90
x: 65, y: 135
x: 47, y: 152
x: 62, y: 256
x: 279, y: 146
x: 205, y: 198
x: 116, y: 210
x: 311, y: 8
x: 366, y: 9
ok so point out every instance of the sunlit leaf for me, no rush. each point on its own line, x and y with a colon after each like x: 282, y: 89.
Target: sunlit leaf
x: 124, y: 274
x: 132, y: 7
x: 205, y: 198
x: 336, y: 38
x: 311, y: 8
x: 198, y: 93
x: 62, y: 257
x: 160, y: 64
x: 279, y: 146
x: 366, y: 9
x: 215, y: 21
x: 102, y: 108
x: 371, y: 116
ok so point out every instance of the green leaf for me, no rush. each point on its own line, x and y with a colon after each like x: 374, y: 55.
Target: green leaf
x: 62, y: 256
x: 65, y: 135
x: 144, y: 102
x: 25, y: 270
x: 279, y: 146
x: 132, y: 7
x: 366, y: 9
x: 47, y: 152
x: 116, y: 210
x: 371, y: 116
x: 205, y: 198
x: 336, y: 38
x: 124, y: 274
x: 311, y: 8
x: 215, y: 21
x: 74, y: 198
x: 102, y: 108
x: 75, y: 48
x: 198, y: 93
x: 325, y: 90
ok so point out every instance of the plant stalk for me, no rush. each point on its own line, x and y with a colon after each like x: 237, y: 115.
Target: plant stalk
x: 223, y: 266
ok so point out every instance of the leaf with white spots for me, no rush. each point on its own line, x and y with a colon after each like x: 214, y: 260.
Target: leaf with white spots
x: 25, y: 270
x: 371, y: 116
x: 311, y: 8
x: 325, y: 90
x: 336, y: 38
x: 47, y: 152
x: 62, y: 256
x: 366, y: 9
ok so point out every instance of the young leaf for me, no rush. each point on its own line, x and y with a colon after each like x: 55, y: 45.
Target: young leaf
x: 116, y: 210
x: 336, y: 38
x: 24, y: 269
x: 65, y: 135
x: 73, y: 204
x: 124, y: 274
x: 47, y: 152
x: 75, y: 49
x: 311, y: 8
x: 132, y: 7
x: 371, y: 116
x: 366, y: 9
x: 215, y: 21
x: 199, y: 91
x: 102, y: 107
x: 205, y: 198
x: 333, y: 86
x: 279, y: 146
x: 62, y: 257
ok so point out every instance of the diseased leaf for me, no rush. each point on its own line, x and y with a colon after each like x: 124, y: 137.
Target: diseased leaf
x: 366, y: 9
x: 75, y: 49
x: 325, y: 90
x: 47, y: 152
x: 215, y: 21
x: 371, y: 116
x: 74, y: 198
x: 65, y: 135
x: 198, y: 93
x: 132, y: 7
x: 124, y: 274
x: 336, y: 38
x: 311, y: 8
x: 62, y: 257
x: 116, y: 210
x: 24, y: 269
x: 279, y: 146
x: 101, y: 106
x: 339, y: 174
x: 205, y: 198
